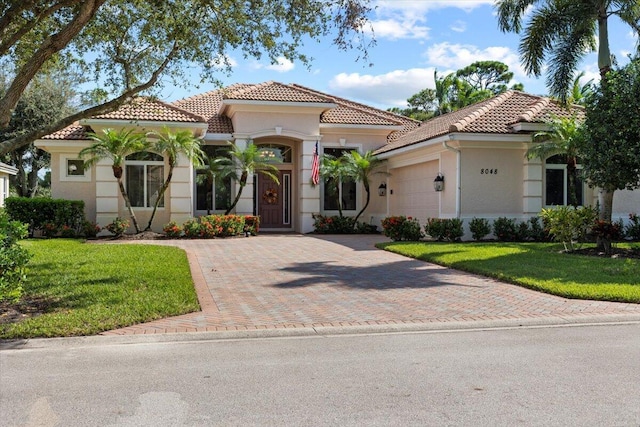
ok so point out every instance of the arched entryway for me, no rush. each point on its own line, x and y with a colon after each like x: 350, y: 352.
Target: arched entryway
x: 274, y: 202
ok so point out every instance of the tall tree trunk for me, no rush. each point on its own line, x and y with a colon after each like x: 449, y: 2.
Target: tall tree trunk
x: 117, y: 173
x: 572, y: 173
x: 242, y: 183
x: 164, y: 187
x: 368, y: 191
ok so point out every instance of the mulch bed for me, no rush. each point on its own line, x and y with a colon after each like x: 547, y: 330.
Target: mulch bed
x: 629, y: 253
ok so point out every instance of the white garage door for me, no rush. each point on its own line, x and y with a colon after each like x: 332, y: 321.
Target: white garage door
x: 413, y: 193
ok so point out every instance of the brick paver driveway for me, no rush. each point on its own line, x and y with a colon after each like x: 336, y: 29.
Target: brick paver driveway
x: 295, y: 281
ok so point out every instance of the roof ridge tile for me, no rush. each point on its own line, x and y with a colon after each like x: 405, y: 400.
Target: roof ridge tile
x: 479, y: 112
x: 535, y: 109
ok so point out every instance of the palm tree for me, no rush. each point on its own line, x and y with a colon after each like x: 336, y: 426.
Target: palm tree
x: 580, y: 92
x: 334, y: 171
x: 561, y: 33
x: 359, y: 167
x: 247, y: 161
x: 171, y: 145
x: 560, y: 139
x: 115, y: 145
x: 215, y: 167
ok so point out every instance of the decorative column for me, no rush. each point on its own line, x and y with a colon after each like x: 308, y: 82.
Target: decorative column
x: 107, y: 194
x: 532, y: 190
x: 181, y: 200
x: 309, y: 194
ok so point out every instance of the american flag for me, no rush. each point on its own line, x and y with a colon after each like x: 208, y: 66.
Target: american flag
x: 315, y: 167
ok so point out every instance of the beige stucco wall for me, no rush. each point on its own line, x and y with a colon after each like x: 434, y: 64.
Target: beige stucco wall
x: 413, y: 193
x: 487, y: 194
x: 67, y: 188
x: 625, y: 202
x: 256, y: 121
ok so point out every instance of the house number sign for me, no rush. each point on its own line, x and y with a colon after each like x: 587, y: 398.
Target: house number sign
x: 488, y: 171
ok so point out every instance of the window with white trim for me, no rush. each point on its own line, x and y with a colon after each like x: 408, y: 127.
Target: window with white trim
x: 144, y: 178
x: 73, y: 169
x: 557, y: 182
x: 346, y: 189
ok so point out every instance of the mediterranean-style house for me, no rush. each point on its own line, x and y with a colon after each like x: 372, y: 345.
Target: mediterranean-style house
x: 476, y: 156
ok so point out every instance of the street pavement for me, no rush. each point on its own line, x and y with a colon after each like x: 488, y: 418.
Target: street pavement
x: 529, y: 376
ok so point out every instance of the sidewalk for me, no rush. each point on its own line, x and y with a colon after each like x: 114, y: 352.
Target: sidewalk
x: 286, y: 282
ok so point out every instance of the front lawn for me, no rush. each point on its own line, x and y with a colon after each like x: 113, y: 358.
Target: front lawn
x: 539, y: 266
x: 84, y: 289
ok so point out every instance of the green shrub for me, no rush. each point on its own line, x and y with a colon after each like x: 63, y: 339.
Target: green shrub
x: 569, y: 225
x: 191, y: 228
x: 13, y: 258
x: 632, y: 230
x: 172, y: 229
x: 90, y: 229
x: 479, y: 228
x: 36, y: 212
x: 402, y: 228
x: 444, y: 229
x: 67, y: 231
x: 505, y: 229
x: 221, y: 225
x: 252, y: 224
x: 522, y: 231
x: 333, y: 224
x: 118, y: 226
x: 536, y: 230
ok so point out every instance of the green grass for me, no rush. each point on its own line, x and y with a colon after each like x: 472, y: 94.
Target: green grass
x: 539, y: 266
x: 90, y: 288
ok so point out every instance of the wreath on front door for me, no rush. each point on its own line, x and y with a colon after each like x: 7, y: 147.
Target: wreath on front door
x: 270, y: 196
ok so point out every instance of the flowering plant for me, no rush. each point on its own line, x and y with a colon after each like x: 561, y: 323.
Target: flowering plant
x: 67, y: 231
x: 172, y: 229
x: 90, y: 229
x: 118, y: 226
x: 49, y: 229
x: 401, y: 228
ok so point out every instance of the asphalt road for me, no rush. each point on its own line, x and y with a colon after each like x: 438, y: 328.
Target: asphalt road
x: 546, y: 376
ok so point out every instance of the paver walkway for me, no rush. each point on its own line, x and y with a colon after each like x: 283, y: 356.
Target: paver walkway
x: 296, y: 281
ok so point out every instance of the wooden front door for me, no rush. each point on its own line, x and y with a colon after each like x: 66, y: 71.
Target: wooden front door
x: 274, y: 201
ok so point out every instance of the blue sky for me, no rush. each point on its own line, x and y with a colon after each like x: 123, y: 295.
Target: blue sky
x: 414, y: 37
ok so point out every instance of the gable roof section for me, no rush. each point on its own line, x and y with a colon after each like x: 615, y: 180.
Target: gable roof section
x: 273, y: 92
x: 147, y: 109
x: 75, y: 131
x: 207, y: 105
x: 495, y: 115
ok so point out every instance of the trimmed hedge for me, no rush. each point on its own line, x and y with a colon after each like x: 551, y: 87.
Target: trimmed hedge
x: 39, y: 211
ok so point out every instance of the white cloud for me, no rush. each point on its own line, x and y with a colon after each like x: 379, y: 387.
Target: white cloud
x: 383, y: 90
x: 459, y: 26
x: 399, y: 29
x: 456, y: 56
x: 282, y: 65
x: 423, y: 6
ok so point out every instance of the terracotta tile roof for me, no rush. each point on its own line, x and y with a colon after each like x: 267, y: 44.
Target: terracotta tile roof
x: 148, y: 109
x: 207, y: 105
x: 74, y: 132
x: 273, y: 91
x: 349, y: 111
x: 496, y: 115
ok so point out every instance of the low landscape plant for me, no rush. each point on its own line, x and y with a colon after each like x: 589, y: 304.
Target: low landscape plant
x: 450, y: 229
x: 172, y: 229
x: 479, y: 228
x: 90, y: 229
x: 333, y: 224
x: 13, y: 258
x: 118, y: 226
x: 40, y: 211
x: 402, y: 228
x: 632, y: 229
x: 569, y: 225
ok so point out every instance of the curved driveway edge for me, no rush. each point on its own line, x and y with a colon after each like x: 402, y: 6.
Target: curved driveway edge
x: 291, y: 281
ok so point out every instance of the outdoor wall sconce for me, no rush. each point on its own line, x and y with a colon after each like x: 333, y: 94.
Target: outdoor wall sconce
x: 382, y: 190
x: 438, y: 183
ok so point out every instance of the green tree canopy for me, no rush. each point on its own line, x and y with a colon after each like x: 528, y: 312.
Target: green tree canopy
x: 493, y: 76
x: 610, y: 143
x: 130, y: 46
x: 48, y: 98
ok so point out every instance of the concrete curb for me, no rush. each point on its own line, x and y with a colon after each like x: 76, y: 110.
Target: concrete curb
x: 443, y: 327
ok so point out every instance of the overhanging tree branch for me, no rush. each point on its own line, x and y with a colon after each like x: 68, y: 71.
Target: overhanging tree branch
x: 22, y: 140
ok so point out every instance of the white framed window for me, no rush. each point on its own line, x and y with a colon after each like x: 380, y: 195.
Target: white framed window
x: 557, y: 183
x: 73, y: 169
x: 346, y: 190
x: 144, y: 178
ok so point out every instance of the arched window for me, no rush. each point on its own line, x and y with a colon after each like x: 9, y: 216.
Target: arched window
x: 557, y: 182
x: 274, y: 153
x: 144, y: 178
